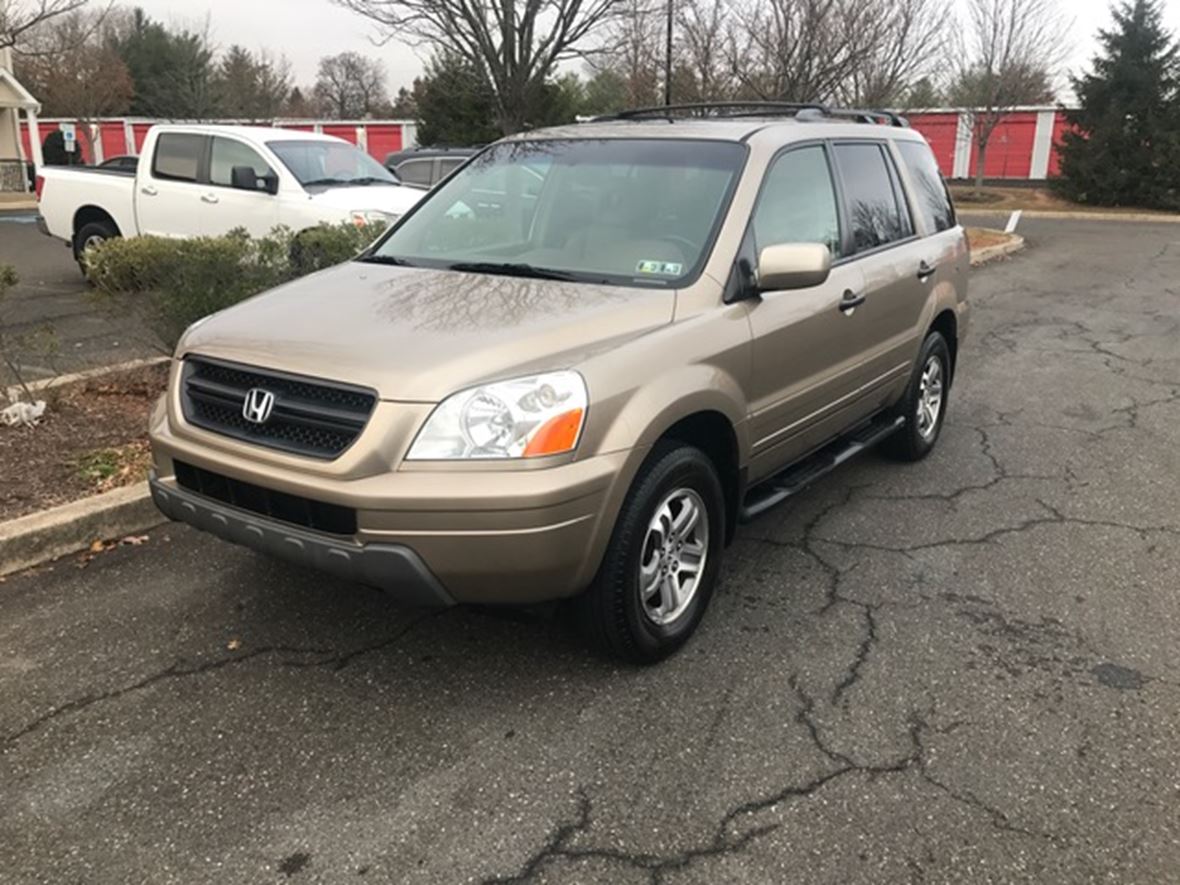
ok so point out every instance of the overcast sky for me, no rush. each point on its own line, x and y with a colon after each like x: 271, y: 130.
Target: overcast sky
x: 305, y: 30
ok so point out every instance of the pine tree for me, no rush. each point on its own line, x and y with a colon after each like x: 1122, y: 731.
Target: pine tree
x: 1125, y: 148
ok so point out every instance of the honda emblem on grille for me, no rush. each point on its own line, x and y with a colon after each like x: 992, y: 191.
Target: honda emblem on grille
x: 258, y: 405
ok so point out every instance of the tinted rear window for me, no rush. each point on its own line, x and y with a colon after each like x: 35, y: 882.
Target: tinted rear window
x: 875, y: 214
x: 933, y: 201
x: 416, y: 171
x: 178, y: 156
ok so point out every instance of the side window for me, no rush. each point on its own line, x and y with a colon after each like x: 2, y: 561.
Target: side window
x: 874, y: 210
x: 446, y: 167
x: 798, y: 202
x: 228, y: 153
x: 178, y: 156
x: 419, y: 172
x: 933, y: 199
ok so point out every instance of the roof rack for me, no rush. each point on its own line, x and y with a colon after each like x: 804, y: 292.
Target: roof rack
x: 799, y: 110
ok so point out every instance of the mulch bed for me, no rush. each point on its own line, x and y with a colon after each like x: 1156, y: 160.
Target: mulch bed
x: 981, y: 238
x: 92, y: 439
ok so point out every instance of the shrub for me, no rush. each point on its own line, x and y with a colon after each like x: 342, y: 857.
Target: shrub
x: 173, y: 283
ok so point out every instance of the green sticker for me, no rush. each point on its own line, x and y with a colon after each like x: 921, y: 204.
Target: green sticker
x: 663, y: 268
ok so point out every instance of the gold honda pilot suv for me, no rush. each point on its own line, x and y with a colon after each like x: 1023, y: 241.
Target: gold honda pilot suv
x: 580, y: 362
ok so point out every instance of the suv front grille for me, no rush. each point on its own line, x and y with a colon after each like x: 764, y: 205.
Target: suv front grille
x: 319, y: 419
x: 293, y: 509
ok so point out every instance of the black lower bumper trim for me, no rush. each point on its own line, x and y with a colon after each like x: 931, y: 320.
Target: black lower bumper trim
x: 391, y: 567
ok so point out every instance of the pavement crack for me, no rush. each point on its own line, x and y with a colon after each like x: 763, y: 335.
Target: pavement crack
x: 320, y: 657
x: 852, y: 675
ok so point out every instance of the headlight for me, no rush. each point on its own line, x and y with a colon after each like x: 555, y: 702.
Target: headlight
x: 521, y: 418
x: 365, y: 217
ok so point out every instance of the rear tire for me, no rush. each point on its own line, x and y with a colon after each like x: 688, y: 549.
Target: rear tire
x: 658, y: 543
x: 924, y: 405
x: 91, y: 234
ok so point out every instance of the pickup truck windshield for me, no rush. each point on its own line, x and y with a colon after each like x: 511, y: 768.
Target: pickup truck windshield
x: 330, y: 164
x: 624, y: 211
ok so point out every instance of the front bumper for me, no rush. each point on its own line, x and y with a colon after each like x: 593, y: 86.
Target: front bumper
x: 486, y: 534
x: 391, y: 567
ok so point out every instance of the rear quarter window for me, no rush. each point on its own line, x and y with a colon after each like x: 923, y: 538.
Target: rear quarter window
x: 932, y: 199
x: 178, y: 156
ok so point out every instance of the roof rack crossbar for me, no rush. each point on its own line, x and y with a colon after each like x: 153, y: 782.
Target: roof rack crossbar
x: 800, y: 110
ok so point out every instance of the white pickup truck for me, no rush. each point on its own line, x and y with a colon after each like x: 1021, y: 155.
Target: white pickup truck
x: 196, y: 180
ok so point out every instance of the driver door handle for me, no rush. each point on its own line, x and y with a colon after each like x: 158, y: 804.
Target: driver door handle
x: 209, y: 198
x: 926, y: 271
x: 148, y: 191
x: 850, y: 302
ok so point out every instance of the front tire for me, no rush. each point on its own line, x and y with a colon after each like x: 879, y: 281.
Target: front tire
x: 661, y: 565
x: 90, y: 235
x: 924, y: 405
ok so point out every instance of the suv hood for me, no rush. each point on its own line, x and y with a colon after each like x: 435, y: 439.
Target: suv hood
x: 396, y: 199
x: 414, y: 334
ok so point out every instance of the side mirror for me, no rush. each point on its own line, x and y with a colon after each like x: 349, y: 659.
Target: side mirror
x: 244, y: 178
x: 793, y: 266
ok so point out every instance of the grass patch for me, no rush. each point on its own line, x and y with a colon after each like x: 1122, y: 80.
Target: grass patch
x: 1030, y: 199
x: 106, y: 469
x: 983, y: 237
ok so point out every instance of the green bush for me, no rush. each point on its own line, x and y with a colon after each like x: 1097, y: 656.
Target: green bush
x: 173, y: 283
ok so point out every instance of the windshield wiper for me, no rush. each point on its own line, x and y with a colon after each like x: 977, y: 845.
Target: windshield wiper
x: 386, y: 259
x: 361, y: 182
x: 514, y: 270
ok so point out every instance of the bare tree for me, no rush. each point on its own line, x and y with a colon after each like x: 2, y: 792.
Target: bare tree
x: 901, y: 42
x: 632, y: 45
x: 1008, y: 55
x: 19, y: 17
x: 71, y: 65
x: 519, y: 43
x: 350, y: 86
x: 857, y: 52
x: 700, y: 30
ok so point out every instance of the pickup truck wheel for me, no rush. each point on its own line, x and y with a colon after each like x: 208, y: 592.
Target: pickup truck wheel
x: 924, y: 405
x: 661, y: 565
x: 90, y: 235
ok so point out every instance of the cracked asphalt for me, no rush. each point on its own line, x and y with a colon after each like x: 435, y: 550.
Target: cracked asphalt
x: 958, y: 671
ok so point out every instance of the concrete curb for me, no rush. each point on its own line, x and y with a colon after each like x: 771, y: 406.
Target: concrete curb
x: 16, y: 390
x: 40, y: 537
x: 991, y: 253
x: 980, y: 212
x: 18, y: 205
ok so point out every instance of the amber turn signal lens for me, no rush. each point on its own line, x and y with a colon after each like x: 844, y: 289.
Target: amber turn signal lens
x: 557, y: 435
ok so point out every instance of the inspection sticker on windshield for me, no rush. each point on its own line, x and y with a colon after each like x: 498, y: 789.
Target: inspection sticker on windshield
x: 663, y: 268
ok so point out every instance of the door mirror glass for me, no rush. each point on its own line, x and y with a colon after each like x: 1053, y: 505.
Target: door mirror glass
x: 244, y: 178
x: 793, y: 266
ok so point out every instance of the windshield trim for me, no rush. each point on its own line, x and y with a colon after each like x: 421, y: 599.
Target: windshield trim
x: 630, y: 282
x: 284, y: 142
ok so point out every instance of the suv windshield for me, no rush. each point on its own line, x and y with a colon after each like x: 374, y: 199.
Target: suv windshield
x: 329, y: 163
x: 628, y: 211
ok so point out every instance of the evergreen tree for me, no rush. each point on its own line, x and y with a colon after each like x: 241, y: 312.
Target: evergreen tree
x: 455, y: 103
x: 172, y: 71
x: 1125, y: 150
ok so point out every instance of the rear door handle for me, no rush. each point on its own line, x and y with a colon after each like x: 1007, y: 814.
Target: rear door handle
x: 209, y: 198
x: 926, y: 271
x: 850, y: 302
x: 148, y: 191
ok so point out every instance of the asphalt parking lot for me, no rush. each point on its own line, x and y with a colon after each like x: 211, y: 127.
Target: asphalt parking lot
x: 962, y: 670
x: 53, y: 298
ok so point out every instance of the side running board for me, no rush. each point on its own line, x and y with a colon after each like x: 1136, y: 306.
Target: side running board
x: 800, y: 475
